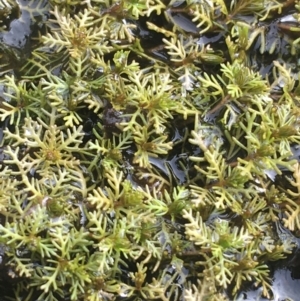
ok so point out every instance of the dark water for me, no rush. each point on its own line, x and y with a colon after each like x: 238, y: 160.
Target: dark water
x: 284, y: 288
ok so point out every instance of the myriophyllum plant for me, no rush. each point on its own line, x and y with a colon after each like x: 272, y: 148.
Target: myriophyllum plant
x: 149, y: 149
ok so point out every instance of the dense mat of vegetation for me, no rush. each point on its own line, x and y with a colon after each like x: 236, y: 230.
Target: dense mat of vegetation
x: 149, y: 149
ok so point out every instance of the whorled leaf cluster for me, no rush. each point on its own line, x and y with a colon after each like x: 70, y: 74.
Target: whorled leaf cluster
x: 149, y: 149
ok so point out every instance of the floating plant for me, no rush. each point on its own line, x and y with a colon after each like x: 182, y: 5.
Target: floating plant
x: 149, y: 149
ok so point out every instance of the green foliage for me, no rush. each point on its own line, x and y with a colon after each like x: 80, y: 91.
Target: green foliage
x: 148, y: 151
x: 23, y: 99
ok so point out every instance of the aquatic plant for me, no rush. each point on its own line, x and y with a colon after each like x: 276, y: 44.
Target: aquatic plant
x: 149, y: 149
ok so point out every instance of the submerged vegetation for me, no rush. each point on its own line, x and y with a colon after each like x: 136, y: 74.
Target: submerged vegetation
x: 149, y: 149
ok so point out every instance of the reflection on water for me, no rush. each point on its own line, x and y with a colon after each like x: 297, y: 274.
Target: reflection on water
x: 284, y: 288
